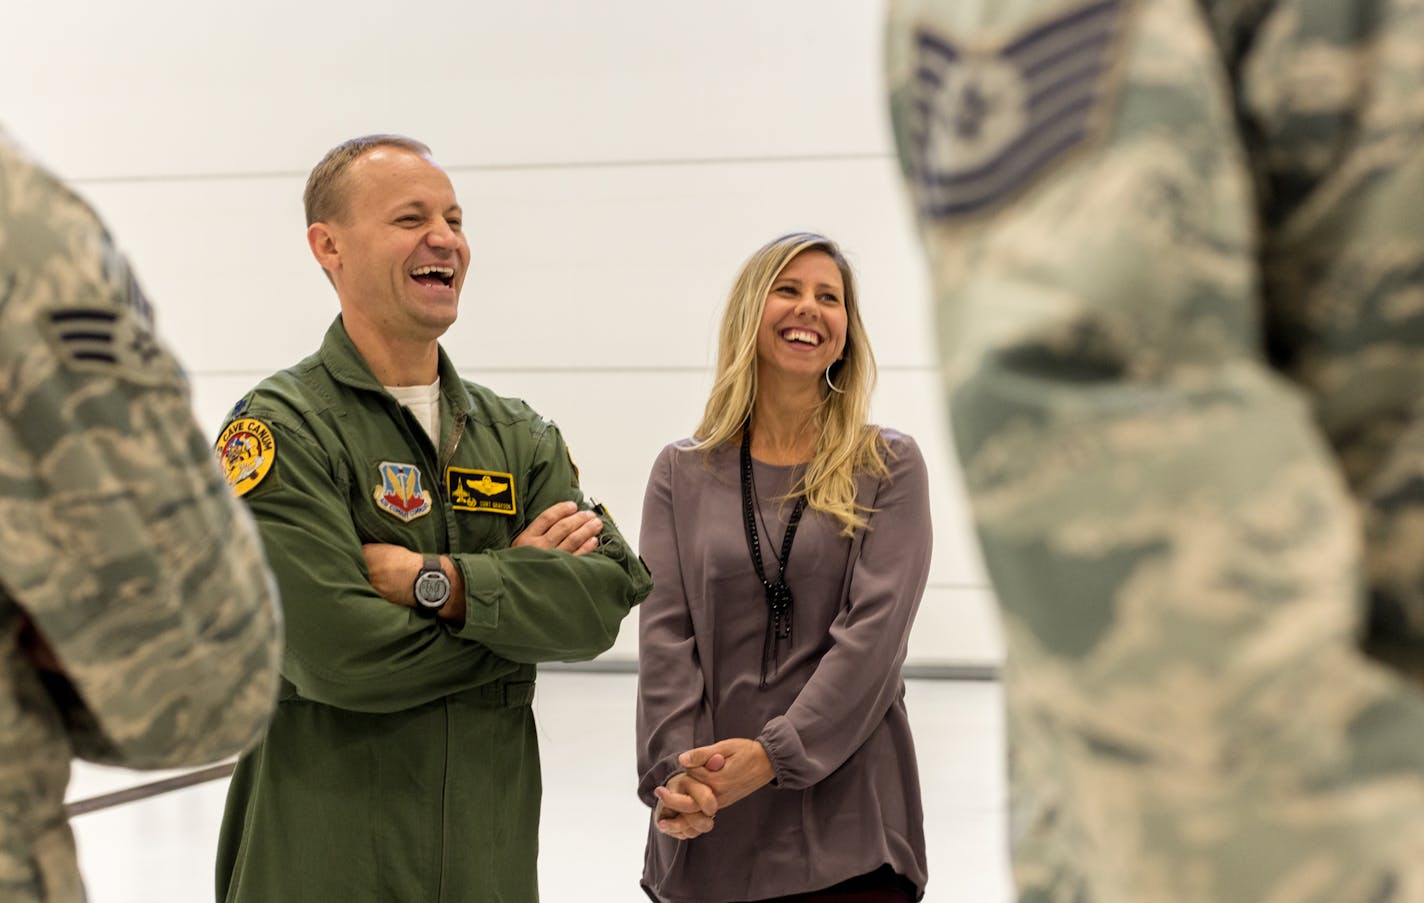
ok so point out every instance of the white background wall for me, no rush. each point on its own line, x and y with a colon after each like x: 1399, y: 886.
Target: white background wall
x: 616, y: 160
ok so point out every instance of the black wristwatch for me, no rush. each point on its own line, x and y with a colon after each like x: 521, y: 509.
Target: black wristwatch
x: 432, y: 588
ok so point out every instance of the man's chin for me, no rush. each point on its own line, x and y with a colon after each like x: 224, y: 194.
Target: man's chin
x: 437, y: 313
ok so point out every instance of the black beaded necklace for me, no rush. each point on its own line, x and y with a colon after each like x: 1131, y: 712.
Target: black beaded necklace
x: 778, y: 594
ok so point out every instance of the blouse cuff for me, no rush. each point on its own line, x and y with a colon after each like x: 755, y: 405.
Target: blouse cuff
x: 662, y: 771
x: 788, y: 757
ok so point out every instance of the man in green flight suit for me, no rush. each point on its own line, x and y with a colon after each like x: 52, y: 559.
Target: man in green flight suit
x: 431, y: 544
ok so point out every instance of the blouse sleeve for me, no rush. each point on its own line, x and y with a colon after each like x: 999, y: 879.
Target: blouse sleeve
x: 671, y: 701
x: 859, y: 678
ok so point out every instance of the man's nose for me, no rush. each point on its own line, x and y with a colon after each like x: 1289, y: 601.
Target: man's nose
x: 441, y: 235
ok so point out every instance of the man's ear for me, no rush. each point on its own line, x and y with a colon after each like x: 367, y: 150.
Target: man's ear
x: 322, y: 242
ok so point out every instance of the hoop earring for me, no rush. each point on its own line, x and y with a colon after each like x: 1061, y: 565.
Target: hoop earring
x: 828, y: 379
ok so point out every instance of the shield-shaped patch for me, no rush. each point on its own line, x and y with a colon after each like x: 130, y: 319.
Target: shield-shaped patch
x: 400, y: 492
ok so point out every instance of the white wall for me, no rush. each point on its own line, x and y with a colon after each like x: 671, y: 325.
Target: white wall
x: 616, y: 161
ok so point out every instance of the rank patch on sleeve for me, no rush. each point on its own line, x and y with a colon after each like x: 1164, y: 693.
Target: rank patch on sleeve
x: 247, y: 450
x: 986, y: 123
x: 480, y: 490
x: 400, y: 492
x: 111, y: 342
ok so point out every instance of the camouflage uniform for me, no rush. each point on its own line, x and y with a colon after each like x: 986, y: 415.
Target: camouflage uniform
x: 119, y: 540
x: 1178, y: 257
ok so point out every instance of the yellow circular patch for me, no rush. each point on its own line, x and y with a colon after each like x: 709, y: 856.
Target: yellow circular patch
x: 246, y: 450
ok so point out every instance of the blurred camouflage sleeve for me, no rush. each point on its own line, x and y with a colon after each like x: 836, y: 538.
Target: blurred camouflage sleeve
x: 1177, y: 251
x: 119, y: 540
x: 1332, y: 99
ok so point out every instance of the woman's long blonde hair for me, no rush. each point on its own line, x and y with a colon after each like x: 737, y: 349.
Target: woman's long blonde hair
x: 846, y: 445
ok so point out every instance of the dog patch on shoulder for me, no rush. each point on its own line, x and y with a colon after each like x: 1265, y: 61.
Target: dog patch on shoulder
x: 246, y: 450
x: 988, y: 122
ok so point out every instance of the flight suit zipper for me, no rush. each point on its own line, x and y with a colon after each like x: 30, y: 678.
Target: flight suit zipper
x: 446, y: 455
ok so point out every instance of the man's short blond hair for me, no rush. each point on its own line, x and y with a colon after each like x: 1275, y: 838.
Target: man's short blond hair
x: 325, y: 195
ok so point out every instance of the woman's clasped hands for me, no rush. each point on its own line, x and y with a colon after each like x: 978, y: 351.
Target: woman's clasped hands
x: 713, y: 778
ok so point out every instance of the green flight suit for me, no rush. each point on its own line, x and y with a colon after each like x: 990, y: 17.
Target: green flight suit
x: 402, y: 764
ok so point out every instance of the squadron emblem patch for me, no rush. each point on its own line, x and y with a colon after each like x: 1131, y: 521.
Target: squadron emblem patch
x: 400, y: 492
x: 987, y: 123
x: 246, y: 450
x: 480, y: 490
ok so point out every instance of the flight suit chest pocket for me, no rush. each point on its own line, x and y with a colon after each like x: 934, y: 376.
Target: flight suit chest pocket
x: 486, y: 504
x: 397, y: 502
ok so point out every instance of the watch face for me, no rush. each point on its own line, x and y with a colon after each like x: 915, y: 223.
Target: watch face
x: 432, y: 589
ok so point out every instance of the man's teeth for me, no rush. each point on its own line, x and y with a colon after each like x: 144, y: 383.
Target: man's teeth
x: 445, y: 272
x: 801, y: 335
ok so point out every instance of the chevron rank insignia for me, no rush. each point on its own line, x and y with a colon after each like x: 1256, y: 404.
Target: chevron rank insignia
x: 987, y: 123
x: 113, y: 342
x: 480, y: 490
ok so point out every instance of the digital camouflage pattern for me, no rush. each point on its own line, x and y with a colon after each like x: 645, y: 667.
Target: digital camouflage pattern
x: 120, y: 543
x: 1177, y: 251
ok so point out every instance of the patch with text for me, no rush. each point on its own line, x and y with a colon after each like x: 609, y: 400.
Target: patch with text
x: 400, y: 492
x: 480, y: 490
x: 246, y: 450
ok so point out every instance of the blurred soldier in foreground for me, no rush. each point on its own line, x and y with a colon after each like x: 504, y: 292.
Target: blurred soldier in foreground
x: 1178, y: 254
x: 138, y: 617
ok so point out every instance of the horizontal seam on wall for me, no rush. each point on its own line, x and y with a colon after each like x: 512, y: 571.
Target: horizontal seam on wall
x: 568, y: 165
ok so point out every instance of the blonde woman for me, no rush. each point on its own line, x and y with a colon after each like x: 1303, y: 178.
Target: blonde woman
x: 789, y: 542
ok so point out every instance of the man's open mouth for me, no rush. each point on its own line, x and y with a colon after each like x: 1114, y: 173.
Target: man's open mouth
x: 434, y: 275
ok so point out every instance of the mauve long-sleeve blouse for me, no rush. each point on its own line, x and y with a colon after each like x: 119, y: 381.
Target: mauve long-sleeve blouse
x: 846, y: 795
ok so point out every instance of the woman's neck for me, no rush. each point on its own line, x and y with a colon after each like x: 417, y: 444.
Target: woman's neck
x: 784, y: 426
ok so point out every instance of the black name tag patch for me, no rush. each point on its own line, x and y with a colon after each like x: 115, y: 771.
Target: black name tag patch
x: 480, y: 490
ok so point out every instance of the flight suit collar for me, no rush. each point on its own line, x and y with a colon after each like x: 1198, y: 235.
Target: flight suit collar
x: 346, y: 365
